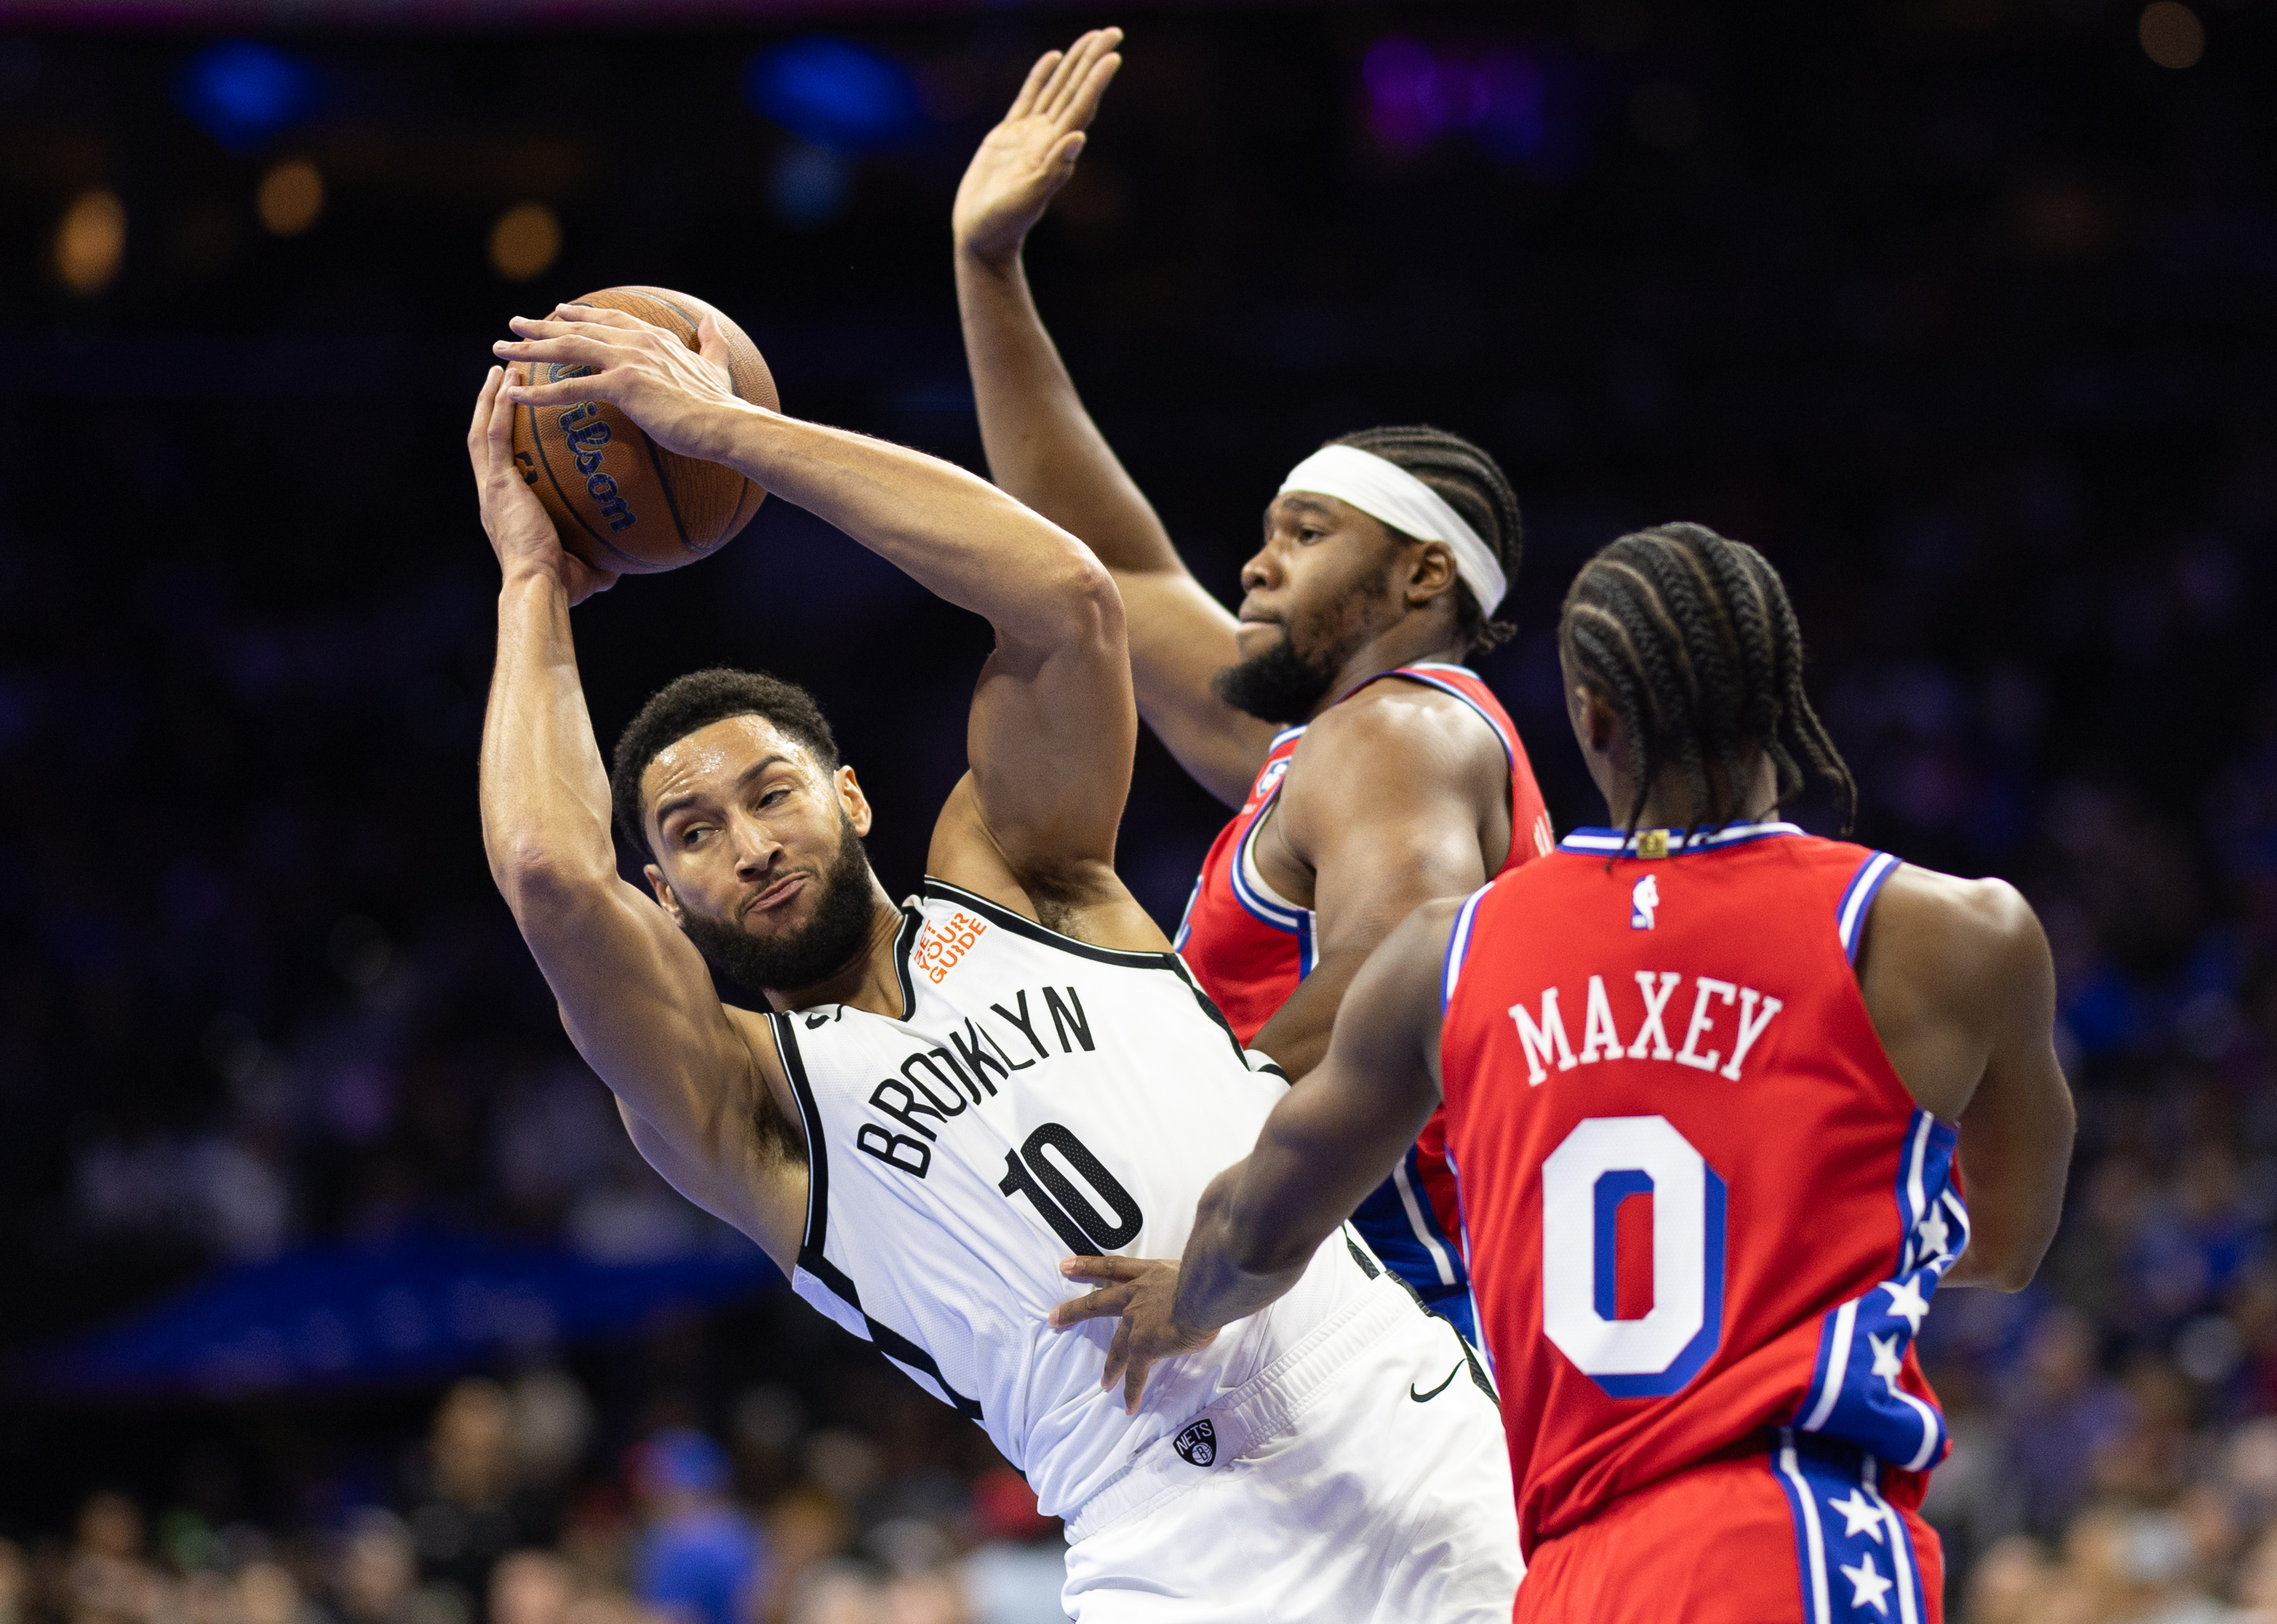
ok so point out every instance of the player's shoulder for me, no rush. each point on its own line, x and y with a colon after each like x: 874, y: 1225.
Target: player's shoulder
x: 1961, y: 933
x: 1413, y: 726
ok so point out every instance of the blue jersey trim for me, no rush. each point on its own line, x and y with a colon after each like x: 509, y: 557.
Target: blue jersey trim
x: 1855, y: 1393
x: 1459, y: 946
x: 1855, y: 1556
x: 1858, y: 900
x: 1621, y: 843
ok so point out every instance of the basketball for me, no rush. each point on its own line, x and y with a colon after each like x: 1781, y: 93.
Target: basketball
x: 621, y: 501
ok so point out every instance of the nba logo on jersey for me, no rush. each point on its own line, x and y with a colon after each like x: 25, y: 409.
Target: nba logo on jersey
x: 1198, y: 1444
x: 1643, y: 901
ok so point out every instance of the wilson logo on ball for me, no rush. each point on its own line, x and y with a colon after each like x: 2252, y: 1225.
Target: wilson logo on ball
x: 584, y: 433
x: 621, y: 501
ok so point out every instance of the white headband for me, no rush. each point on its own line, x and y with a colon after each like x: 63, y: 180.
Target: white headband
x: 1382, y: 490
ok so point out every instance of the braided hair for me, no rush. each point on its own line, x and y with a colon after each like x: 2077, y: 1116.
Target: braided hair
x: 1473, y: 483
x: 1691, y: 639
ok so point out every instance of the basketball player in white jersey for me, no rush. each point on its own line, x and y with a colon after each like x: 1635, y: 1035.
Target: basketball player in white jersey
x: 950, y: 1097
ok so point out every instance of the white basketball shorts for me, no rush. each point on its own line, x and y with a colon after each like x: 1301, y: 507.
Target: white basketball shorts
x: 1361, y: 1478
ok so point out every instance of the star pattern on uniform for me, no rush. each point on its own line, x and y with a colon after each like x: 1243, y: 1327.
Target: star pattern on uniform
x: 1868, y: 1588
x: 1906, y: 1303
x: 1861, y: 1515
x: 1889, y: 1363
x: 1936, y: 1233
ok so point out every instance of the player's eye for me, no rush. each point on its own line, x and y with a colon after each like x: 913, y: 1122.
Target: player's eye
x: 1310, y: 532
x: 772, y: 796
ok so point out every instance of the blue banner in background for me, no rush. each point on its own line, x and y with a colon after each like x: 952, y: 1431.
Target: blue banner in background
x: 423, y: 1304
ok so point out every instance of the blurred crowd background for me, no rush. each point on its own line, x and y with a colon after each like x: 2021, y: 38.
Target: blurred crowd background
x: 335, y: 1293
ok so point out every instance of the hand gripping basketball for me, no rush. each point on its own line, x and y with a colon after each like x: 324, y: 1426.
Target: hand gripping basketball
x: 677, y: 394
x: 1142, y: 1293
x: 522, y: 535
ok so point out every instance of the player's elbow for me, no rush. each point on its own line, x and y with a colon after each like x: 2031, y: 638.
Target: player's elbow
x: 1085, y: 605
x: 1256, y: 1252
x: 2009, y: 1270
x: 537, y: 875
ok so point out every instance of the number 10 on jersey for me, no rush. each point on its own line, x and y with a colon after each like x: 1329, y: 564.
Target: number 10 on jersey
x: 1065, y: 1206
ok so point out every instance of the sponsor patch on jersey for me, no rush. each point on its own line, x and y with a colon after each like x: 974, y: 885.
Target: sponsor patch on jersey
x: 1197, y: 1444
x: 942, y: 944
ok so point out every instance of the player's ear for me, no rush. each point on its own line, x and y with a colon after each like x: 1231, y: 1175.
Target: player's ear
x: 1432, y: 573
x: 851, y: 797
x: 1594, y: 721
x: 658, y: 884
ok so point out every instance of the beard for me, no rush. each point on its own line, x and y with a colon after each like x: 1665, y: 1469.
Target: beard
x: 1281, y: 685
x: 1278, y: 684
x: 815, y: 951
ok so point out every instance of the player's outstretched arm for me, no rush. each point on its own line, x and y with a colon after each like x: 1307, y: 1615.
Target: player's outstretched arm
x: 1042, y: 444
x: 1332, y: 1139
x: 1959, y: 979
x: 1053, y: 726
x: 634, y: 992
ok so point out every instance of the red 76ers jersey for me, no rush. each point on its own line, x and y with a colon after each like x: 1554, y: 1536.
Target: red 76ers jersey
x: 1249, y: 948
x: 1700, y: 1204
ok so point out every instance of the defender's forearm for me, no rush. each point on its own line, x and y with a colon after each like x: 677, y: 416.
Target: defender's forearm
x: 544, y: 792
x: 1225, y: 1274
x: 1042, y: 445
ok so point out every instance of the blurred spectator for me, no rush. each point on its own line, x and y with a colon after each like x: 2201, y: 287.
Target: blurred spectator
x: 1014, y: 1575
x: 2061, y: 1413
x: 376, y: 1577
x: 471, y: 1506
x: 15, y: 1582
x: 699, y: 1557
x: 530, y: 1587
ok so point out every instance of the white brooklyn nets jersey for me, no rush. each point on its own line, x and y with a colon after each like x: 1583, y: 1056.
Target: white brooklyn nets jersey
x: 1040, y: 1096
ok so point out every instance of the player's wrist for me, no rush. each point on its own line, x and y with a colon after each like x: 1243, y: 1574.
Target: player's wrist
x: 992, y: 256
x: 730, y: 431
x: 524, y: 578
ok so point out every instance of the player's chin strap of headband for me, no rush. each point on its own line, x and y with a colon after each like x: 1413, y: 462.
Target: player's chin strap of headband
x: 1382, y: 490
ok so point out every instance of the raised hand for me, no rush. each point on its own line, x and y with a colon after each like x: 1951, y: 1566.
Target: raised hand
x: 1027, y: 158
x: 522, y: 534
x: 675, y: 393
x: 1141, y: 1292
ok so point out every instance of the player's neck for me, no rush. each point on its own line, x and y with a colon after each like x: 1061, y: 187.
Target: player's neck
x: 1406, y: 642
x: 871, y: 980
x: 1673, y: 803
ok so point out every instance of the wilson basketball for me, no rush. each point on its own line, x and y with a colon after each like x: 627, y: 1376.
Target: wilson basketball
x: 621, y: 501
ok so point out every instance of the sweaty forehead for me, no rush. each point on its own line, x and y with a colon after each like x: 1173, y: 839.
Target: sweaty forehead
x: 713, y: 756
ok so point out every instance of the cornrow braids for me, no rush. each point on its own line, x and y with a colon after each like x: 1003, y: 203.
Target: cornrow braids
x: 1472, y: 482
x: 1691, y: 639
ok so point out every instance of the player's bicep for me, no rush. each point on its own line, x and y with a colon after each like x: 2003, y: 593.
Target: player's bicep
x: 637, y: 1001
x: 2016, y: 1130
x: 1387, y: 824
x: 1051, y: 736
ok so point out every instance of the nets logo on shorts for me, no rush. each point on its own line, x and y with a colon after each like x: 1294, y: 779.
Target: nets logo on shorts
x: 1197, y: 1445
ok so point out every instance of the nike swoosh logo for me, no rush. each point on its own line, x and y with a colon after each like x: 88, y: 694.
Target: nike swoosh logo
x: 1425, y: 1398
